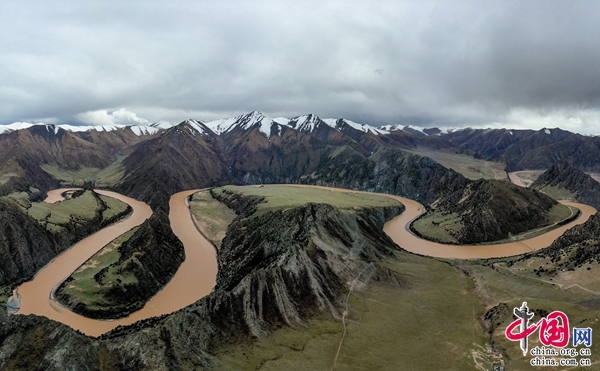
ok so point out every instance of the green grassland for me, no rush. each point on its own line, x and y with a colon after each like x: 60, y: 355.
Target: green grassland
x: 213, y: 217
x: 20, y: 198
x: 114, y: 207
x: 442, y: 227
x: 78, y: 209
x: 468, y: 166
x: 99, y: 177
x: 439, y: 226
x: 430, y: 321
x: 6, y: 177
x: 94, y: 278
x: 210, y: 216
x: 285, y: 197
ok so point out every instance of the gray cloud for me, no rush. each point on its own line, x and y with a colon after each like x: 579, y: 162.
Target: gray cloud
x: 523, y: 64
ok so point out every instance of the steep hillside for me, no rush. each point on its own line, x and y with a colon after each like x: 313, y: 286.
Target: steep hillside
x: 186, y: 156
x: 266, y: 280
x: 254, y: 149
x: 529, y: 149
x: 490, y: 210
x: 282, y: 156
x: 25, y: 246
x: 564, y: 175
x: 387, y: 171
x: 29, y: 244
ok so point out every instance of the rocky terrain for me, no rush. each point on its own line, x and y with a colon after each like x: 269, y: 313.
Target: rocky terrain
x: 564, y: 175
x: 491, y: 210
x: 530, y: 149
x: 23, y: 152
x: 152, y: 255
x: 26, y: 246
x: 266, y: 280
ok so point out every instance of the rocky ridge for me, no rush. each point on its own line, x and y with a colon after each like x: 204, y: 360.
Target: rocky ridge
x: 491, y: 210
x: 265, y: 280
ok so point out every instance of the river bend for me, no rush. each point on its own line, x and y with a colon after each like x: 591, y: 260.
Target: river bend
x: 196, y: 277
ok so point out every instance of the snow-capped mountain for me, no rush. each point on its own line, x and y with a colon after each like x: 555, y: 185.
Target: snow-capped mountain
x: 341, y: 123
x: 195, y: 127
x: 305, y: 123
x: 137, y: 129
x: 244, y: 122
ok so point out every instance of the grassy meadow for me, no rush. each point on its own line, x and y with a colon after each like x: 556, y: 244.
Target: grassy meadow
x: 513, y: 284
x: 469, y: 166
x: 211, y: 216
x: 428, y: 322
x: 81, y: 208
x: 285, y: 197
x: 97, y: 275
x: 108, y: 176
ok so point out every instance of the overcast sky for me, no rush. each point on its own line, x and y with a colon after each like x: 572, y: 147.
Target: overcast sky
x: 449, y: 63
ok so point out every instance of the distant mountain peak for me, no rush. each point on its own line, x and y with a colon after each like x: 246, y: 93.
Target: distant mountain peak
x: 137, y: 129
x: 306, y: 123
x: 245, y: 122
x: 195, y: 127
x: 341, y: 124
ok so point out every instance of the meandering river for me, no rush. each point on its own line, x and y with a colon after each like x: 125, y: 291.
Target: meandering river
x: 196, y: 277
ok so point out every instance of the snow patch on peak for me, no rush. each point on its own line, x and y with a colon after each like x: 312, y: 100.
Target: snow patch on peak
x: 194, y: 127
x: 221, y: 126
x: 305, y: 123
x: 364, y: 127
x: 331, y: 122
x: 246, y: 122
x: 137, y: 129
x: 144, y: 130
x: 282, y: 121
x: 547, y: 131
x: 14, y: 126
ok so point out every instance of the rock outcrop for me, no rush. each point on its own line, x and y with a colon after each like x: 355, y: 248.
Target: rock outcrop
x: 265, y: 280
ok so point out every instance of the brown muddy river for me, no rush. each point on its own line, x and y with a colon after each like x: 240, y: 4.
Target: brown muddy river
x: 196, y: 277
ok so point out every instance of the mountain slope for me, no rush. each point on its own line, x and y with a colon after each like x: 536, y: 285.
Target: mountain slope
x: 25, y: 246
x: 305, y: 275
x: 387, y: 171
x: 186, y: 156
x: 529, y: 149
x: 564, y: 175
x: 22, y: 153
x: 488, y: 210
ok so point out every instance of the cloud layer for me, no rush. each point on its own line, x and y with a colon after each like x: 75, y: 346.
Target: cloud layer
x: 519, y: 64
